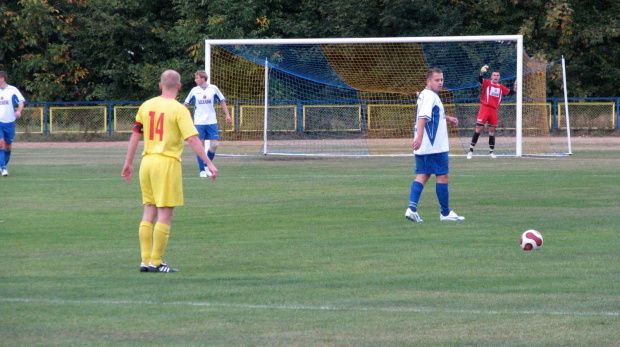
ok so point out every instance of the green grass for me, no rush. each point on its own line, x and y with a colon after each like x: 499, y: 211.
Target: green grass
x: 302, y: 252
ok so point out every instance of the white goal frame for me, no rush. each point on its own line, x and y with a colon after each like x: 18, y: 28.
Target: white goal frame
x: 515, y: 38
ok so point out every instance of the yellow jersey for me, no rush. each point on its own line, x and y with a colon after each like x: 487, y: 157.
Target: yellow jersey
x: 165, y: 123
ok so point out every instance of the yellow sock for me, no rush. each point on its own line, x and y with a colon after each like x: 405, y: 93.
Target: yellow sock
x: 160, y: 240
x: 145, y: 233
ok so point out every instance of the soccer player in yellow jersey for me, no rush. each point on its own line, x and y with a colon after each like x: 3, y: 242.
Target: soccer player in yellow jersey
x: 166, y: 124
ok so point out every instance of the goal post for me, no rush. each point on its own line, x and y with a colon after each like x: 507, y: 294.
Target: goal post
x: 357, y: 96
x: 519, y: 99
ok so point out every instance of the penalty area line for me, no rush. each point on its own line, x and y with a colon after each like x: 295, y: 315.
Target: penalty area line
x: 314, y: 308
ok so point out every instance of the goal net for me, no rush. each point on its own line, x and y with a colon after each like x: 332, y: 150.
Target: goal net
x: 357, y: 97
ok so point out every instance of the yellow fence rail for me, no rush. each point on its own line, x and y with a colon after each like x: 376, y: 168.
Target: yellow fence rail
x: 374, y: 118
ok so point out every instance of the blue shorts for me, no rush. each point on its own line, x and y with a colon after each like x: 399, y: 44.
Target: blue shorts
x: 432, y: 164
x: 208, y: 132
x: 7, y: 132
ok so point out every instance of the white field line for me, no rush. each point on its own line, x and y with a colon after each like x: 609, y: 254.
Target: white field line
x: 313, y: 308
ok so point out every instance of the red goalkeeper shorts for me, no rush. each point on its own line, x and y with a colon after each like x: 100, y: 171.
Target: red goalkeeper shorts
x: 487, y: 114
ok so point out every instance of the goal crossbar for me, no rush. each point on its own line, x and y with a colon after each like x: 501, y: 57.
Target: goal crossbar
x: 363, y: 40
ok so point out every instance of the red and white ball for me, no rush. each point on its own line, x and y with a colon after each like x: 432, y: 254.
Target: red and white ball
x: 531, y: 240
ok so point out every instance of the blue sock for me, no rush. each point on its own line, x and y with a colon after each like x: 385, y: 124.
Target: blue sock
x: 7, y: 156
x: 211, y: 155
x: 444, y: 197
x: 414, y: 195
x: 2, y: 160
x: 201, y: 164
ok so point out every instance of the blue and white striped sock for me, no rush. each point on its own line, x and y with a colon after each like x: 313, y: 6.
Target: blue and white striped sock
x: 414, y: 195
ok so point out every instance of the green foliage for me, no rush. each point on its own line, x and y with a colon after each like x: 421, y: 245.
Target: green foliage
x: 367, y: 18
x: 39, y: 49
x: 586, y: 33
x: 131, y: 44
x: 115, y: 50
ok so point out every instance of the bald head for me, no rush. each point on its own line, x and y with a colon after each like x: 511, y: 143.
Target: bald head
x: 170, y: 79
x: 170, y: 83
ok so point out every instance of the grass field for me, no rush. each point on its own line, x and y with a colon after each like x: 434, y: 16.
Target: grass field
x: 312, y: 252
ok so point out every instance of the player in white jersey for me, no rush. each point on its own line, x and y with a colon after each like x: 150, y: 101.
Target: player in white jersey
x: 10, y: 97
x: 431, y: 147
x: 203, y: 97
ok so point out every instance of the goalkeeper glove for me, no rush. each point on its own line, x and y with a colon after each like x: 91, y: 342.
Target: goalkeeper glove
x: 484, y: 69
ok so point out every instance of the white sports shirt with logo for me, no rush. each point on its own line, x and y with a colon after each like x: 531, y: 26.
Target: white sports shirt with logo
x: 436, y: 129
x: 204, y: 100
x: 9, y: 96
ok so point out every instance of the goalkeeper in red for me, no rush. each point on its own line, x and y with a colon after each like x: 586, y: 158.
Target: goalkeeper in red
x: 492, y: 92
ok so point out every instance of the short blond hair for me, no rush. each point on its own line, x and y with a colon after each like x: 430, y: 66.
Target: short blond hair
x: 202, y: 74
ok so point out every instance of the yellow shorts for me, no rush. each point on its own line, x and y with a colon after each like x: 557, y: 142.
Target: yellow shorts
x: 161, y: 180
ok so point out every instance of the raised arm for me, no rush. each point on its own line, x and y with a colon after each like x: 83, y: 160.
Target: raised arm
x: 483, y: 70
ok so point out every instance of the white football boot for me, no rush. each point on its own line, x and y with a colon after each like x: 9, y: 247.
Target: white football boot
x: 451, y: 217
x: 412, y: 216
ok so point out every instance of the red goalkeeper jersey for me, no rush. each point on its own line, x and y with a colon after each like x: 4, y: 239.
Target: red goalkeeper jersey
x: 492, y: 93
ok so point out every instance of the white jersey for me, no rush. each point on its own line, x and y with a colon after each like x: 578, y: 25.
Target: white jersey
x: 435, y: 139
x: 203, y: 100
x: 9, y: 98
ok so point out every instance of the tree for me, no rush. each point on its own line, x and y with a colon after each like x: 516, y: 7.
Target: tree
x: 222, y: 19
x: 61, y: 50
x: 585, y: 32
x: 36, y: 36
x: 367, y: 18
x: 127, y: 44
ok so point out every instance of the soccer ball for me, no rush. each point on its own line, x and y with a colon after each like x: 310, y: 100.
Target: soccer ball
x: 531, y: 240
